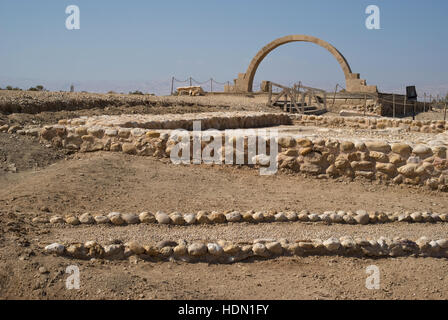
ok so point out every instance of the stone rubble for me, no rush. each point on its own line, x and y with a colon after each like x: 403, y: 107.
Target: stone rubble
x: 398, y: 163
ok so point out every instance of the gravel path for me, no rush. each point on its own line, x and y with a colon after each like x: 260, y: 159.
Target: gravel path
x: 245, y: 232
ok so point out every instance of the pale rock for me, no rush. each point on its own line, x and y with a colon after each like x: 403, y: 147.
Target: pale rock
x: 130, y: 218
x: 258, y: 216
x: 56, y: 219
x: 86, y: 218
x: 332, y: 244
x: 291, y: 216
x: 177, y: 219
x: 129, y: 148
x: 280, y: 217
x: 379, y: 146
x: 101, y: 219
x: 442, y: 243
x: 190, y: 218
x: 197, y: 249
x: 74, y: 221
x: 234, y: 216
x: 274, y: 247
x: 115, y: 218
x: 231, y: 249
x: 162, y: 218
x: 217, y: 217
x: 362, y: 217
x: 215, y: 249
x: 114, y: 251
x: 349, y: 219
x: 180, y: 250
x: 416, y: 216
x: 259, y: 249
x: 146, y: 217
x: 55, y: 248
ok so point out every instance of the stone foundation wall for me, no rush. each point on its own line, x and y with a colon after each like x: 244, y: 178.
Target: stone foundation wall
x: 398, y: 162
x: 380, y: 104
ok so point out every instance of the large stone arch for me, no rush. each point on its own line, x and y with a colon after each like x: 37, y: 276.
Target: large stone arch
x: 353, y: 83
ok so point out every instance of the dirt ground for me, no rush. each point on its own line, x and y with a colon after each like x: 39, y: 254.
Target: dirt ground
x: 35, y: 180
x: 104, y: 182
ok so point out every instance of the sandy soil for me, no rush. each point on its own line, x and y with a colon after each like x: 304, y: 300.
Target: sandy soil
x: 102, y: 182
x: 47, y: 181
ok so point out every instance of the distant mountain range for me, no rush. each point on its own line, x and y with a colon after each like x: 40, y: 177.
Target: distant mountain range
x: 163, y: 87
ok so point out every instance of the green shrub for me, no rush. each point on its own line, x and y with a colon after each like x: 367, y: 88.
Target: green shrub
x: 136, y: 92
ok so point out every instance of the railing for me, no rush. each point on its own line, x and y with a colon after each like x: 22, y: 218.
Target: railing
x: 297, y: 93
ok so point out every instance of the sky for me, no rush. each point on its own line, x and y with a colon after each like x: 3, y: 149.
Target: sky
x: 141, y: 44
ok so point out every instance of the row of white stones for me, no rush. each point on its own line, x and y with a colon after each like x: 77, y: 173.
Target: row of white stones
x: 227, y: 252
x: 203, y: 217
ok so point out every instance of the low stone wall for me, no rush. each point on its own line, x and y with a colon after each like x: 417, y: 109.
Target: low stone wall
x: 425, y: 126
x: 228, y: 252
x: 380, y: 104
x: 210, y: 120
x: 202, y: 217
x: 397, y: 162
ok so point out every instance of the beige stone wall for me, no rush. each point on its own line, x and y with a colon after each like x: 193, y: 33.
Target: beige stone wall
x: 398, y: 163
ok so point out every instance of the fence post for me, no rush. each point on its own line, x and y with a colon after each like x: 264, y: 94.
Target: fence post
x: 393, y: 104
x: 365, y: 104
x: 270, y: 94
x: 415, y: 107
x: 190, y: 81
x: 334, y: 96
x: 404, y: 107
x: 172, y: 85
x: 444, y: 113
x: 211, y: 85
x: 424, y: 102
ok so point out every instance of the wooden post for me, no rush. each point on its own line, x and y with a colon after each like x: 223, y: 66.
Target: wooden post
x: 302, y: 102
x: 172, y: 85
x: 404, y: 106
x: 334, y: 96
x: 325, y: 100
x: 365, y: 104
x: 424, y: 102
x: 285, y: 106
x: 444, y: 113
x: 415, y: 109
x: 211, y: 85
x: 393, y: 104
x: 270, y: 94
x: 190, y: 81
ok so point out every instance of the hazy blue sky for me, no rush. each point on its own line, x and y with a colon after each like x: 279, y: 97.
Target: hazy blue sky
x: 142, y: 43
